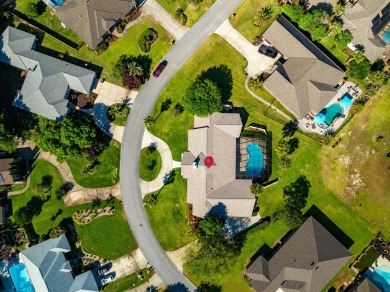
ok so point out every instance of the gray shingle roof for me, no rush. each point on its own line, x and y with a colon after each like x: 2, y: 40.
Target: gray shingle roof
x: 48, y: 79
x: 306, y: 80
x: 307, y: 261
x: 49, y: 270
x: 364, y: 20
x: 216, y: 135
x: 90, y: 20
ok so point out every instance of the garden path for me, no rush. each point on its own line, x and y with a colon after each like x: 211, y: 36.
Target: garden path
x: 153, y: 8
x: 257, y: 63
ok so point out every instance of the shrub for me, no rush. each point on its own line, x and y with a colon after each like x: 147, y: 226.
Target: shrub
x: 294, y: 12
x: 31, y: 10
x: 178, y: 109
x: 147, y: 39
x: 100, y: 49
x: 306, y: 21
x: 180, y: 16
x: 121, y: 26
x: 359, y: 70
x: 343, y: 39
x: 285, y: 162
x: 319, y: 32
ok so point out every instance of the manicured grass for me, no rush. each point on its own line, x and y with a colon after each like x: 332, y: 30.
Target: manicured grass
x: 48, y: 18
x: 107, y: 173
x: 357, y: 169
x: 108, y: 236
x: 367, y: 260
x: 43, y: 223
x: 306, y: 160
x: 330, y: 44
x: 193, y: 12
x: 126, y: 45
x: 207, y: 56
x: 129, y: 282
x: 117, y: 115
x: 170, y: 216
x: 243, y: 21
x: 150, y: 164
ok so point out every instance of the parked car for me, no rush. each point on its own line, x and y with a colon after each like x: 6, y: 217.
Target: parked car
x: 102, y: 270
x: 160, y: 68
x: 107, y: 279
x: 268, y: 51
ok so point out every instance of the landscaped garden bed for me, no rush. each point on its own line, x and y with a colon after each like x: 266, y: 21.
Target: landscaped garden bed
x: 82, y: 100
x: 150, y: 163
x: 118, y: 113
x: 147, y: 39
x: 86, y: 216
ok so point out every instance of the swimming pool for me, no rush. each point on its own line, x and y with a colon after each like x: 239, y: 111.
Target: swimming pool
x: 331, y: 112
x: 380, y: 277
x: 57, y: 2
x: 386, y: 36
x: 255, y: 162
x: 20, y: 278
x: 346, y: 100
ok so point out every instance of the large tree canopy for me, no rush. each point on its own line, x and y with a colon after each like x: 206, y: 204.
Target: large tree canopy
x: 68, y: 139
x: 203, y: 98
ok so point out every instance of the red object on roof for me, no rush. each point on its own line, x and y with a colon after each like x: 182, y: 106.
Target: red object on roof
x: 209, y: 160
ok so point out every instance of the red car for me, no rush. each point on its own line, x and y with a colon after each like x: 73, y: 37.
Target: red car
x: 159, y: 68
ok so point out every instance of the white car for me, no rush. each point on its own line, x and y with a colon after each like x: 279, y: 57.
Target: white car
x: 101, y: 271
x: 107, y: 279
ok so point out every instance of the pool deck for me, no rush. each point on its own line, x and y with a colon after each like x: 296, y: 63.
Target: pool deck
x: 380, y: 262
x: 337, y: 122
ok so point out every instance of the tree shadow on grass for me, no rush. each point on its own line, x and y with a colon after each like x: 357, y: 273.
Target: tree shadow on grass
x: 222, y: 77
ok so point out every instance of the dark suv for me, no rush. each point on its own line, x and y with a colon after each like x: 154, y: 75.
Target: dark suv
x: 268, y: 51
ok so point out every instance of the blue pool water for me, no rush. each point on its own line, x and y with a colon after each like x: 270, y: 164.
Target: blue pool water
x: 20, y: 278
x: 57, y: 2
x: 380, y: 277
x: 346, y: 100
x: 386, y: 36
x: 255, y: 162
x: 331, y: 112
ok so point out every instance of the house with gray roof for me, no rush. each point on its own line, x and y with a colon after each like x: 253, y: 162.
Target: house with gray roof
x: 92, y: 20
x: 49, y: 269
x: 306, y: 262
x: 305, y: 79
x: 216, y: 136
x: 367, y: 20
x: 48, y: 81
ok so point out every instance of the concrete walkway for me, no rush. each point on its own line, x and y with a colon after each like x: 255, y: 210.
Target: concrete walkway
x: 153, y: 8
x: 257, y: 63
x: 166, y: 166
x: 264, y: 101
x: 109, y: 94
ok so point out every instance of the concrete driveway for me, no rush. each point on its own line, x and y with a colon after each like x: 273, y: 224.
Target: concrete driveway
x: 154, y: 9
x: 257, y: 63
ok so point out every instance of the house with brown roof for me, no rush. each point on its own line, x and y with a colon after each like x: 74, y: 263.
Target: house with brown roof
x: 92, y: 20
x: 305, y: 79
x: 368, y: 20
x: 9, y: 171
x: 306, y: 262
x: 210, y: 167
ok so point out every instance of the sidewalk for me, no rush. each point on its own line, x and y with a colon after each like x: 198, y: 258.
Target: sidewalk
x: 154, y: 9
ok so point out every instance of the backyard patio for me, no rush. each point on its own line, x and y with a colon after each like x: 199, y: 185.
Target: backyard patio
x: 316, y: 122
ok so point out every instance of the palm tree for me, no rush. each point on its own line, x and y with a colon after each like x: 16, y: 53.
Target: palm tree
x: 255, y: 84
x: 335, y: 27
x: 262, y: 16
x: 357, y: 56
x: 134, y: 69
x: 339, y: 10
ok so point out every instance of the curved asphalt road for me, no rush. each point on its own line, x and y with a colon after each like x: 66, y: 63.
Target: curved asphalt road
x: 133, y: 133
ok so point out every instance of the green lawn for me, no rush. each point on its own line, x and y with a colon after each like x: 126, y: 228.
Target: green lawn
x: 330, y: 44
x: 306, y: 160
x: 129, y: 282
x: 150, y: 164
x: 193, y: 12
x: 366, y: 177
x: 117, y: 115
x: 170, y: 216
x: 47, y: 18
x: 107, y: 174
x: 243, y: 21
x: 108, y: 236
x: 43, y: 223
x: 126, y: 45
